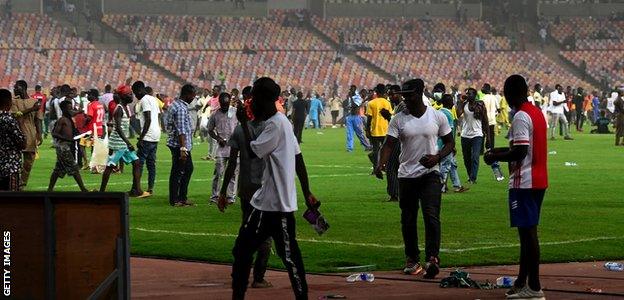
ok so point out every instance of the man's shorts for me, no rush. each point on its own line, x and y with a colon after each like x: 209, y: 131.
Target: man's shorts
x: 125, y: 156
x: 525, y: 206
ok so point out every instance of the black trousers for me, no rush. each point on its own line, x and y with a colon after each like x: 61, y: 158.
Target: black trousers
x: 259, y: 226
x: 334, y: 114
x: 264, y: 250
x: 298, y: 128
x: 580, y: 119
x: 377, y: 142
x: 425, y: 191
x: 179, y: 177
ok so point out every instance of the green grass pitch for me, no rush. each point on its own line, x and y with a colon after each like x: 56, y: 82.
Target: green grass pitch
x: 581, y: 216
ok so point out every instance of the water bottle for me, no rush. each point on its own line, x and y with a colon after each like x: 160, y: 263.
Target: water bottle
x: 505, y: 281
x: 369, y: 277
x: 614, y: 266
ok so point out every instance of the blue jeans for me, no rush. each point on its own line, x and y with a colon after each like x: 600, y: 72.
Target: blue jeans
x: 354, y: 125
x: 471, y: 150
x: 147, y: 153
x: 448, y: 165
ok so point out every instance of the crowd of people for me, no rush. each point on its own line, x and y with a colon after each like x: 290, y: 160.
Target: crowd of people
x: 253, y: 136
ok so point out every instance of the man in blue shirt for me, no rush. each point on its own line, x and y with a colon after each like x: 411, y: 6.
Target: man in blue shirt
x: 316, y: 109
x: 180, y: 142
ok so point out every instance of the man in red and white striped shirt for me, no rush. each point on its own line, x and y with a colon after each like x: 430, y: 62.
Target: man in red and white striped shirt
x: 528, y: 180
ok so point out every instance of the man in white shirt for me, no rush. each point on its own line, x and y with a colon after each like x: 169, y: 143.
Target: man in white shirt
x: 148, y: 113
x: 474, y: 129
x: 557, y: 110
x: 275, y: 202
x: 417, y: 129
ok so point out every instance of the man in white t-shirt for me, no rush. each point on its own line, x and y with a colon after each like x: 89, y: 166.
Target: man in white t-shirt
x: 474, y: 129
x: 148, y: 113
x: 557, y: 111
x: 275, y: 202
x: 417, y: 129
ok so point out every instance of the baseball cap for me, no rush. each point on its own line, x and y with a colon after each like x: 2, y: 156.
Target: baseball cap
x: 412, y: 86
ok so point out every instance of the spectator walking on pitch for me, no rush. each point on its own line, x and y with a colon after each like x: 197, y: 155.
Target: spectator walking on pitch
x: 474, y: 128
x: 417, y: 129
x: 275, y: 202
x: 121, y: 149
x: 249, y: 181
x: 220, y: 127
x: 299, y: 113
x: 180, y: 142
x: 148, y: 113
x: 28, y: 115
x: 353, y: 120
x: 64, y: 133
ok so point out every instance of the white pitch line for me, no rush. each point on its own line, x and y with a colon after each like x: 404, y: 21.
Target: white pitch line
x: 374, y: 245
x: 602, y: 238
x: 384, y: 246
x: 196, y: 180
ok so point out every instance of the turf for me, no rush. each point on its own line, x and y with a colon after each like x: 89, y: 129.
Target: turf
x: 581, y: 215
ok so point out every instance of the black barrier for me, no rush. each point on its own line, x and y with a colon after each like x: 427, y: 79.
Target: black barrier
x: 65, y: 245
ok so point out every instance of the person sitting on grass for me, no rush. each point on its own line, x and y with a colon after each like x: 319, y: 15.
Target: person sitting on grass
x: 64, y: 132
x: 602, y: 124
x: 121, y: 149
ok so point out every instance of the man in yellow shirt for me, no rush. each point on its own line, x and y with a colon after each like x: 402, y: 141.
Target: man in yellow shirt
x: 378, y: 111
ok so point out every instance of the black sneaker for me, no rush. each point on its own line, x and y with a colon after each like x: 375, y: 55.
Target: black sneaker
x: 432, y: 268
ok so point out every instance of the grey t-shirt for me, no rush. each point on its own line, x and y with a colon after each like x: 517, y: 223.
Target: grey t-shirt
x: 251, y: 169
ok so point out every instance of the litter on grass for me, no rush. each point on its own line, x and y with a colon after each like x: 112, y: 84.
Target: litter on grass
x: 570, y: 164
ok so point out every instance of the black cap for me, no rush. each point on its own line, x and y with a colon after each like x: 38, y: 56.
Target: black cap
x: 412, y: 86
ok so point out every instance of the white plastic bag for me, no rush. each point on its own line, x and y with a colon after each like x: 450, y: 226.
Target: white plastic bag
x: 100, y: 152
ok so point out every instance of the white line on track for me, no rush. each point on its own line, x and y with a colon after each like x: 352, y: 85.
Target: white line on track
x: 193, y: 180
x: 384, y: 246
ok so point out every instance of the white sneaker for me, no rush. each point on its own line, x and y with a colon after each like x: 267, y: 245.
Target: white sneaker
x: 501, y: 178
x: 527, y: 293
